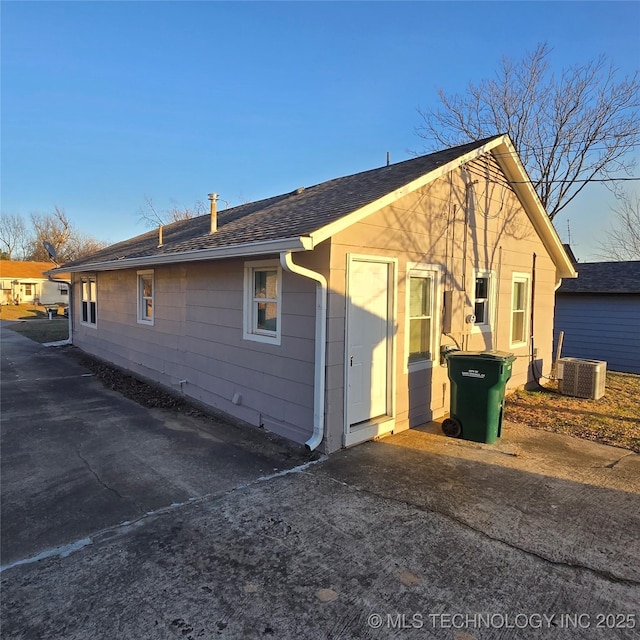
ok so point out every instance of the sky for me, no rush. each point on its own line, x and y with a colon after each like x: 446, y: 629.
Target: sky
x: 108, y: 104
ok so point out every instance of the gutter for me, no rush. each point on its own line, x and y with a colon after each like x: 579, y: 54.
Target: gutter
x: 286, y: 260
x: 303, y: 243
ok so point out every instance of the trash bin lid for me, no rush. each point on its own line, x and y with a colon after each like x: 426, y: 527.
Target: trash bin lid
x: 502, y: 356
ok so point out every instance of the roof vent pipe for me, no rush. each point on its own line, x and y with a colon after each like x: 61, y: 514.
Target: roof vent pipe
x: 213, y: 199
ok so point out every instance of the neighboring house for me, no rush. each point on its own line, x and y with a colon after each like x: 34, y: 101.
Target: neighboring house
x: 25, y: 282
x: 599, y: 313
x: 320, y: 314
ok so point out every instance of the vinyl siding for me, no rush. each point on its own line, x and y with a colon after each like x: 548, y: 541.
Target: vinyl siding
x: 428, y: 226
x: 197, y: 337
x: 600, y: 327
x: 460, y: 222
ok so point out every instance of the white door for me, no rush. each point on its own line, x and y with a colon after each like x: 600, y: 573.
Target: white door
x: 368, y: 348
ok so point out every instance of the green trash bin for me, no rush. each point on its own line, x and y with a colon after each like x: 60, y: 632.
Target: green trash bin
x: 478, y: 382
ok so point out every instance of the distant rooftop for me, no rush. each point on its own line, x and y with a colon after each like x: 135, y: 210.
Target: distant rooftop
x: 604, y: 277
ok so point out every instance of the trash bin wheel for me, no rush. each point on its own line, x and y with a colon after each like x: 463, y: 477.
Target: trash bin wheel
x: 451, y: 427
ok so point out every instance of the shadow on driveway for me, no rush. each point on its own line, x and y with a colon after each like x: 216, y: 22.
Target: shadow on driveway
x: 415, y: 536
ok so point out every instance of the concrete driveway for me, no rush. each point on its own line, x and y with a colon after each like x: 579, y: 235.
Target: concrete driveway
x: 121, y: 522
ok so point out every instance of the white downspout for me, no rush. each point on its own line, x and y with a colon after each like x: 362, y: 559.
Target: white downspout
x: 286, y: 260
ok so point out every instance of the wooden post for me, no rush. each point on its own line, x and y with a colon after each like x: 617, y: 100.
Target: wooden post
x: 554, y: 369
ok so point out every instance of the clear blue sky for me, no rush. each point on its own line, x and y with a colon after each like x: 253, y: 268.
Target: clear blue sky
x: 104, y: 103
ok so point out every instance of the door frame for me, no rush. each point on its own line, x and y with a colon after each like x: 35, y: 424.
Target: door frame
x: 383, y: 424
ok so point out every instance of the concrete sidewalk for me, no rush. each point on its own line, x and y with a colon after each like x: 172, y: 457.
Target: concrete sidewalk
x: 415, y: 536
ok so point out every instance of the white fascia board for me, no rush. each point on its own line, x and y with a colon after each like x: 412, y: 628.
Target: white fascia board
x: 302, y: 243
x: 509, y: 160
x: 359, y: 214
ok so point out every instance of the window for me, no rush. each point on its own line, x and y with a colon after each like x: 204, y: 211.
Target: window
x: 262, y: 284
x: 145, y: 297
x: 89, y: 301
x: 482, y: 300
x: 519, y: 297
x: 27, y: 289
x: 421, y: 289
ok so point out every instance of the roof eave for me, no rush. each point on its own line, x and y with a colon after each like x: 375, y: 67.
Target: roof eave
x: 359, y: 214
x: 248, y: 249
x: 507, y: 157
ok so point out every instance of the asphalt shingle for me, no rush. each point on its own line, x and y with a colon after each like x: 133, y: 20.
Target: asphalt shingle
x: 288, y: 215
x: 604, y: 277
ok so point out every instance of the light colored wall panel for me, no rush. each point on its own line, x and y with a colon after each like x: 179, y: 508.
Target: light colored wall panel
x: 197, y: 336
x: 443, y: 224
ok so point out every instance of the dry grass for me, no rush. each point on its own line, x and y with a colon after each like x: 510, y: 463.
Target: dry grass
x: 24, y: 312
x: 613, y: 419
x: 43, y: 330
x: 33, y: 322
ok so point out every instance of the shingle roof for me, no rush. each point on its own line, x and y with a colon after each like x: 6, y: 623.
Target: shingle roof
x: 604, y: 277
x: 289, y: 215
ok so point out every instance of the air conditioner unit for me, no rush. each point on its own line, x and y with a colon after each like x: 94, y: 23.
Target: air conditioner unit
x: 582, y: 378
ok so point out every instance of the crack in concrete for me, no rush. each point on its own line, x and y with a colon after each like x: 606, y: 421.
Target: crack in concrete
x: 109, y: 533
x: 614, y: 464
x: 97, y: 477
x: 600, y: 573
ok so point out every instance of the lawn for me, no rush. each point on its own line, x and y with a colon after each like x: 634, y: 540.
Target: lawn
x: 33, y: 322
x: 614, y: 419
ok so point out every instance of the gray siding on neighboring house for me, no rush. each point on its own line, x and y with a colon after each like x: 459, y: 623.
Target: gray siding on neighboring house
x: 600, y: 327
x: 197, y: 337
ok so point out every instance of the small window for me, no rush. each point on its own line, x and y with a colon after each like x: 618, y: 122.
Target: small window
x: 145, y: 297
x: 421, y: 296
x: 88, y: 307
x: 262, y: 302
x: 519, y: 306
x: 482, y: 300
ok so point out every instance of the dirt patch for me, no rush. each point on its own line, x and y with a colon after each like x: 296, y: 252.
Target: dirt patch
x: 614, y: 419
x: 144, y: 393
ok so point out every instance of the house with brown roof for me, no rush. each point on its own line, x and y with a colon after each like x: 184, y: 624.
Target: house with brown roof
x: 320, y: 314
x: 26, y: 282
x: 599, y: 314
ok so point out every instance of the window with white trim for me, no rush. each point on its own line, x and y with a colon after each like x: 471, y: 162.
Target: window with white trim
x: 421, y: 290
x: 89, y: 301
x: 519, y: 308
x: 262, y: 301
x: 482, y: 300
x: 145, y: 297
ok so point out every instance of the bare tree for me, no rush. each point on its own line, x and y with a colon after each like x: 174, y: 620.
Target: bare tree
x: 13, y: 236
x: 623, y: 239
x: 53, y: 228
x: 153, y: 217
x: 23, y: 241
x: 569, y: 128
x: 56, y: 229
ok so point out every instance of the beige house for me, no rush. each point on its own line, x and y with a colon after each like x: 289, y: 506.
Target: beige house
x: 320, y: 314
